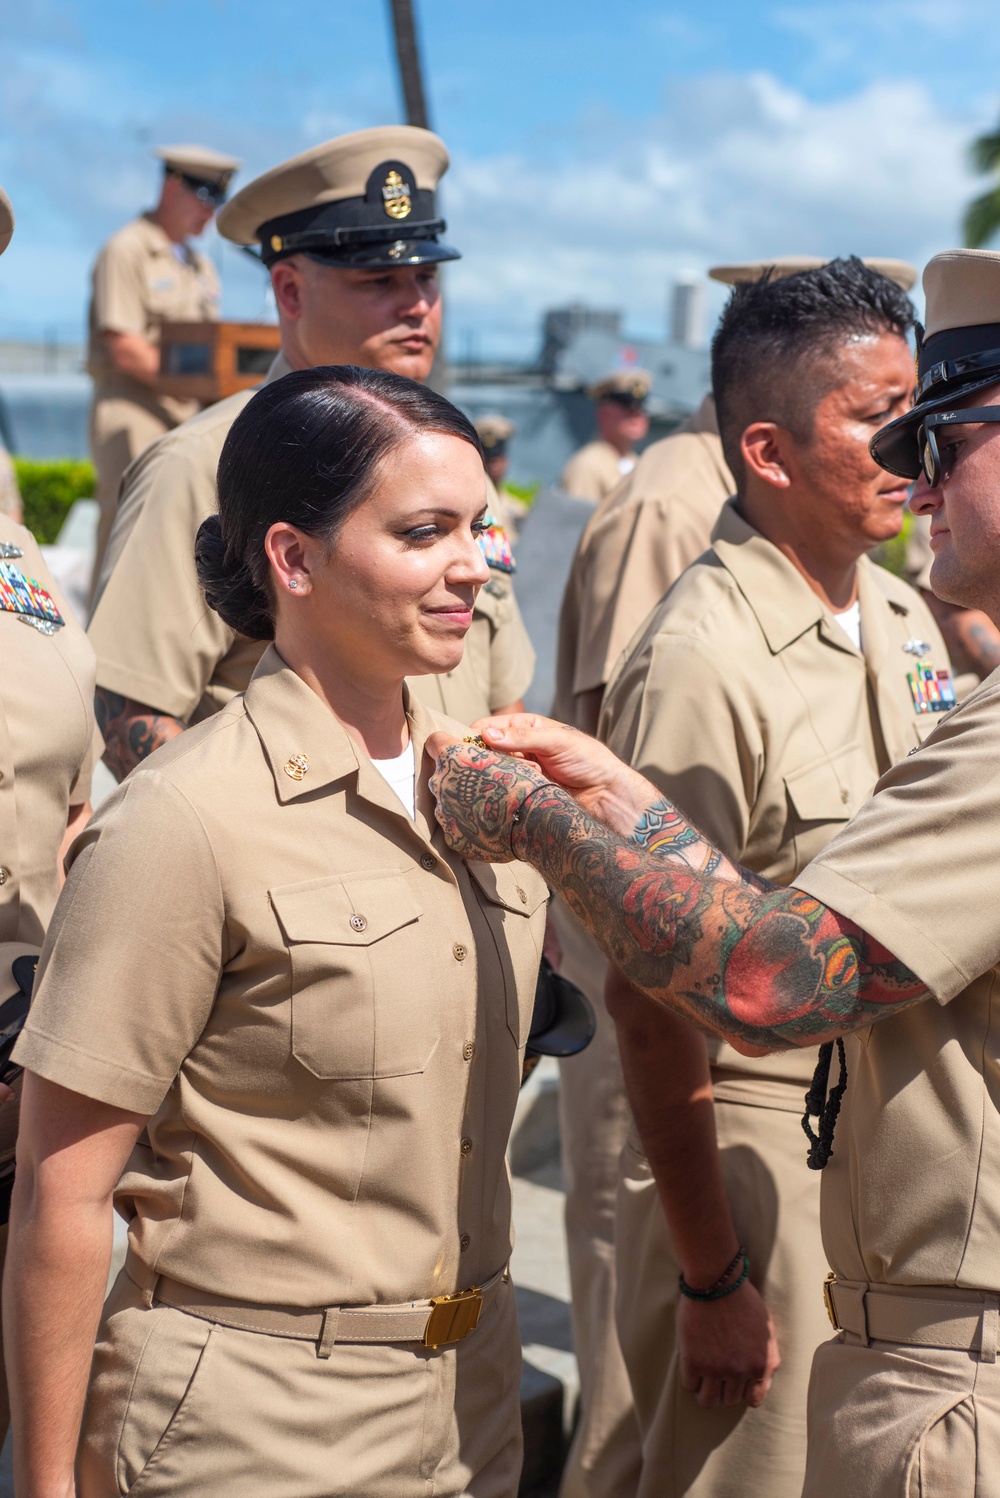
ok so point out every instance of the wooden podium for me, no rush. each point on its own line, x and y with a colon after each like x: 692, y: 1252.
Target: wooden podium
x: 206, y: 361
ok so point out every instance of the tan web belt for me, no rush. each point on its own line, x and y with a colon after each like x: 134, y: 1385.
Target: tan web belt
x: 918, y: 1315
x: 438, y: 1322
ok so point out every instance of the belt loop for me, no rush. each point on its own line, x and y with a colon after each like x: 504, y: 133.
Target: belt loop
x: 328, y: 1336
x: 988, y: 1329
x: 149, y: 1291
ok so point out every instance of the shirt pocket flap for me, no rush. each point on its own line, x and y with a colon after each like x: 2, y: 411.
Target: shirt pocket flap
x: 827, y: 790
x: 514, y: 886
x: 355, y: 910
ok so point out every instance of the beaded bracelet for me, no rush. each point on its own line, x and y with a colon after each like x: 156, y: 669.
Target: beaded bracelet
x: 720, y: 1288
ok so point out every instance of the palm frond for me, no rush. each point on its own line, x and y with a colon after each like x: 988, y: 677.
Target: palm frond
x: 984, y: 153
x: 982, y: 219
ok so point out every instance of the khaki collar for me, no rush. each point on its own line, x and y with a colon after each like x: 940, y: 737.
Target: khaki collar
x: 159, y: 242
x: 279, y: 367
x: 780, y: 597
x: 783, y: 602
x: 308, y: 749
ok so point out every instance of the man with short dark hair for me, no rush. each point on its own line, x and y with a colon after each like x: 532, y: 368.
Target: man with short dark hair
x: 888, y: 937
x: 148, y: 272
x: 765, y: 696
x: 350, y: 236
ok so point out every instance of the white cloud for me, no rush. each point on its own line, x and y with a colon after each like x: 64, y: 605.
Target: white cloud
x: 733, y: 168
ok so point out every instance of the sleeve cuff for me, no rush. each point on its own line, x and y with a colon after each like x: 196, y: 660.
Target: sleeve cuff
x: 909, y: 943
x: 149, y: 690
x: 92, y: 1076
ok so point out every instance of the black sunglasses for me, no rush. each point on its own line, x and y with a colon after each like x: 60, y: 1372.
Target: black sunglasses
x: 935, y: 471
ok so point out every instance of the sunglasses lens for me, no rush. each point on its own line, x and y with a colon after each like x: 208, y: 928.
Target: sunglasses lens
x: 929, y: 459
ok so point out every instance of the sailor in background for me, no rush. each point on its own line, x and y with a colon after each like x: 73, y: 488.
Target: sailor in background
x: 495, y: 433
x: 350, y: 237
x: 620, y: 414
x: 48, y: 748
x: 146, y: 274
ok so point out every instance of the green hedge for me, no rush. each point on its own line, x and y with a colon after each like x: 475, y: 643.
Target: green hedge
x: 892, y: 554
x: 49, y: 490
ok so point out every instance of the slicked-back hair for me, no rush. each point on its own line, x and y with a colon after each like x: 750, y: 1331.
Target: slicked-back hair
x: 307, y: 450
x: 774, y: 353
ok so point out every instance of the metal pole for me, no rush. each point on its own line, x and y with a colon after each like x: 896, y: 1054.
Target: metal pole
x: 408, y: 57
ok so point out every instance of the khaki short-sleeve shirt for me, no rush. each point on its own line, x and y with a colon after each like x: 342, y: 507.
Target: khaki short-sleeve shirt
x: 158, y: 642
x: 632, y: 550
x: 140, y: 280
x: 595, y: 470
x: 48, y: 742
x: 322, y: 1010
x: 911, y: 1194
x: 746, y: 703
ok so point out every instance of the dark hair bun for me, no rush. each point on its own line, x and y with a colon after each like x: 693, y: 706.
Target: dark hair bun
x: 228, y: 586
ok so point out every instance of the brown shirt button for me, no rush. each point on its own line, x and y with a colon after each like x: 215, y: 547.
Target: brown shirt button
x: 466, y: 1146
x: 358, y: 923
x: 428, y: 861
x: 4, y: 875
x: 521, y: 895
x: 460, y: 953
x: 469, y: 1050
x: 464, y: 1242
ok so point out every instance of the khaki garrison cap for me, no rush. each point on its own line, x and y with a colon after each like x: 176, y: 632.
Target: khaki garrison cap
x: 899, y: 271
x: 200, y: 166
x: 494, y: 433
x: 632, y: 385
x: 6, y: 221
x: 958, y: 351
x: 365, y: 199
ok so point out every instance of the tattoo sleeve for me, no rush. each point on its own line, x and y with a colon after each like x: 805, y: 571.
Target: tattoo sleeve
x: 742, y: 957
x: 132, y: 730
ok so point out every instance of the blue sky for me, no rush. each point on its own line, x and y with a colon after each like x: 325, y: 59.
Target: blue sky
x: 598, y: 149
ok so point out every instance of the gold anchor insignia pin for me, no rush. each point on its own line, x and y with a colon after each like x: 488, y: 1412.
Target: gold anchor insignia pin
x: 396, y: 196
x: 297, y: 766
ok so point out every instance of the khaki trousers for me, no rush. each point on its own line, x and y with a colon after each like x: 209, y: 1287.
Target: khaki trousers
x: 890, y: 1421
x: 119, y: 430
x: 605, y: 1454
x: 178, y: 1405
x: 725, y: 1453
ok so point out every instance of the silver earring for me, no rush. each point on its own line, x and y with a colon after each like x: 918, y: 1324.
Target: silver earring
x: 293, y: 582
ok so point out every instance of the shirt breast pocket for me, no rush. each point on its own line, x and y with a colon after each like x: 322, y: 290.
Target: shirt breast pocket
x: 823, y: 795
x: 508, y: 896
x: 361, y: 994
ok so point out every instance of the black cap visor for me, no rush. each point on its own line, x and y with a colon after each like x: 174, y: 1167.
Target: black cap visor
x: 563, y: 1022
x: 380, y: 256
x: 896, y: 448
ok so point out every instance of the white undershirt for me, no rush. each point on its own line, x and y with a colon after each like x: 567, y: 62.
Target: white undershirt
x: 626, y: 464
x: 850, y: 623
x: 398, y: 774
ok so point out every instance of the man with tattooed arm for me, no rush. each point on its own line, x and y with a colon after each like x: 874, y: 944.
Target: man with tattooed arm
x: 889, y: 938
x: 768, y: 691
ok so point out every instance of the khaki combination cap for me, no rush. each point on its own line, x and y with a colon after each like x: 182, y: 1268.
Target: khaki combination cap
x: 365, y: 199
x: 900, y: 271
x: 200, y: 166
x: 631, y: 385
x: 6, y: 221
x: 958, y: 349
x: 494, y: 433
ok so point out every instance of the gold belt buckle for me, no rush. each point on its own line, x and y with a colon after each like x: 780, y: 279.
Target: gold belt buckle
x: 453, y: 1317
x: 831, y: 1311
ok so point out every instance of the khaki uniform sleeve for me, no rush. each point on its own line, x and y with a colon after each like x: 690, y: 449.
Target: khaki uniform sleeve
x: 917, y: 868
x: 155, y: 637
x: 134, y: 952
x: 674, y: 715
x: 587, y: 477
x: 512, y: 655
x: 120, y: 293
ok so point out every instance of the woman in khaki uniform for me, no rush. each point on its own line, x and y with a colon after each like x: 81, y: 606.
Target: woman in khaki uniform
x: 47, y: 752
x: 292, y: 1018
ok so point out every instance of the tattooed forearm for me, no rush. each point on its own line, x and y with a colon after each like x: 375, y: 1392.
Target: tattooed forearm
x: 767, y: 966
x: 132, y: 730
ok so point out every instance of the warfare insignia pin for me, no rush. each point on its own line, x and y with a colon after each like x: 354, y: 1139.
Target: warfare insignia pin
x: 396, y: 196
x: 9, y: 553
x: 25, y: 597
x: 919, y: 648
